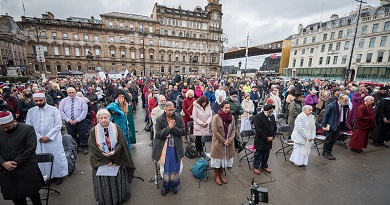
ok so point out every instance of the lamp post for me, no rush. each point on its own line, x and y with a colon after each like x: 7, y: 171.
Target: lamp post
x: 224, y: 39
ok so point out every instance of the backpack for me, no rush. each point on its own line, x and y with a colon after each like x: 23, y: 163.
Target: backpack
x: 200, y: 168
x: 190, y: 151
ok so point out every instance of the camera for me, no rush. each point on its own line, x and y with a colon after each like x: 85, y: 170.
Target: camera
x: 258, y: 194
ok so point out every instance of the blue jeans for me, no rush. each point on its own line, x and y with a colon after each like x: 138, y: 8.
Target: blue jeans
x: 261, y: 157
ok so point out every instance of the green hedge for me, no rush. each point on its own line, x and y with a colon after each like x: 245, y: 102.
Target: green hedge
x: 22, y: 79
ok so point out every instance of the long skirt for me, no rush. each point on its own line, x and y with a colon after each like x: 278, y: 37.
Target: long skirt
x: 218, y: 163
x: 245, y: 124
x: 111, y: 190
x: 172, y: 168
x: 359, y: 139
x: 298, y: 155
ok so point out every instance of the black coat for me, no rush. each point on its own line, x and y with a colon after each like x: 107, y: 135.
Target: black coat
x: 163, y: 131
x: 264, y: 128
x: 19, y: 145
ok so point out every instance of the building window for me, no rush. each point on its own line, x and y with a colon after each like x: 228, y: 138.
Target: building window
x: 375, y: 28
x: 169, y: 32
x: 330, y: 47
x: 112, y: 53
x: 141, y: 28
x: 123, y: 54
x: 183, y: 70
x: 59, y: 68
x: 96, y: 38
x: 349, y: 33
x: 372, y: 42
x: 142, y: 55
x: 162, y: 57
x: 295, y: 52
x: 75, y: 36
x: 162, y: 69
x: 111, y: 39
x: 340, y: 34
x: 325, y: 36
x: 132, y: 55
x: 364, y: 29
x: 387, y: 26
x: 335, y: 58
x: 313, y: 39
x: 303, y: 51
x: 183, y: 23
x: 294, y: 62
x: 383, y: 41
x: 131, y: 40
x: 169, y: 57
x: 79, y: 67
x: 48, y: 68
x: 296, y: 41
x: 304, y: 40
x: 162, y: 21
x: 151, y: 55
x: 322, y: 48
x: 301, y: 64
x: 151, y: 29
x: 45, y: 50
x: 369, y: 58
x: 122, y: 39
x: 97, y: 53
x: 344, y: 59
x: 311, y: 50
x: 213, y: 59
x: 121, y: 25
x: 54, y: 34
x: 332, y: 35
x: 320, y: 60
x: 346, y: 45
x: 66, y: 51
x: 361, y: 43
x: 310, y: 62
x: 65, y: 35
x: 56, y: 53
x: 69, y: 67
x: 77, y: 51
x: 358, y: 58
x: 204, y: 27
x: 338, y: 45
x: 161, y: 31
x: 110, y: 24
x: 327, y: 60
x: 131, y: 27
x: 43, y: 34
x: 169, y: 22
x: 86, y: 37
x: 141, y: 41
x: 380, y: 57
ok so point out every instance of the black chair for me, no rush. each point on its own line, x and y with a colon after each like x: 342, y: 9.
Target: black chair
x: 190, y: 128
x: 319, y: 139
x: 281, y: 117
x: 157, y: 175
x: 206, y: 138
x: 248, y: 149
x: 47, y: 158
x: 284, y: 141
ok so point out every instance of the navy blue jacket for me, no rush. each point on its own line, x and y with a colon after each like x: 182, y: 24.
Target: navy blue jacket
x: 331, y: 115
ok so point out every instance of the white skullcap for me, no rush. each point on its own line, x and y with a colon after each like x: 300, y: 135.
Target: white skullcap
x: 39, y: 95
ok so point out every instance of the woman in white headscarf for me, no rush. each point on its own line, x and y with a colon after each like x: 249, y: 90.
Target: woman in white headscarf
x: 303, y: 135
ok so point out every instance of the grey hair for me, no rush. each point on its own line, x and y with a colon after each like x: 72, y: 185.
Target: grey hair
x: 102, y: 112
x: 367, y: 98
x: 306, y: 107
x: 169, y: 104
x: 160, y: 97
x: 71, y: 89
x: 190, y: 92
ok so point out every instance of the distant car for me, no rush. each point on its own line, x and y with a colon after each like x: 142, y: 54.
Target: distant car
x: 371, y: 83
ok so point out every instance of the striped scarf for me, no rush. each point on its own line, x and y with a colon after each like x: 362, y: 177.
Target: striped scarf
x: 100, y: 137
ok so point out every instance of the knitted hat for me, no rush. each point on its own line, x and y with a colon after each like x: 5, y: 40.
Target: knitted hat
x: 5, y: 117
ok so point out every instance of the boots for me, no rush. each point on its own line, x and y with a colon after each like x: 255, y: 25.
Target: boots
x: 217, y: 176
x: 221, y: 175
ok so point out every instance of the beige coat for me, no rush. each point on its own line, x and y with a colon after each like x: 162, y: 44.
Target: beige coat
x: 322, y: 98
x: 247, y: 106
x: 217, y: 146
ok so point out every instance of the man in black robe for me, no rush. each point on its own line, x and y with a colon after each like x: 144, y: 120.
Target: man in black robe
x: 20, y: 176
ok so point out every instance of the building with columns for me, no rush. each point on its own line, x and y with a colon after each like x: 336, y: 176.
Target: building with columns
x: 170, y: 40
x: 323, y: 49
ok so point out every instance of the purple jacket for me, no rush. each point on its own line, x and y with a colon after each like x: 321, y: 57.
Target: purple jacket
x: 311, y: 100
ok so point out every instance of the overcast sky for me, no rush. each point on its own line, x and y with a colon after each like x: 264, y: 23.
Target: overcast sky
x: 266, y: 21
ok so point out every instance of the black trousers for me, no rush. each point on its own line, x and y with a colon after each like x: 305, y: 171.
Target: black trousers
x: 330, y: 140
x: 35, y: 199
x: 261, y: 157
x: 198, y: 144
x: 79, y: 133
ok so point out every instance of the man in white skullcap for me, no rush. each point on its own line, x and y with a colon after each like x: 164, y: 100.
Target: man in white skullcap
x: 19, y: 172
x: 47, y: 123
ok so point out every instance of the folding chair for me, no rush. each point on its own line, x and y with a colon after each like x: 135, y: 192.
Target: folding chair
x: 190, y: 128
x: 157, y: 175
x: 248, y: 149
x: 319, y: 138
x: 282, y: 116
x: 282, y: 133
x: 47, y: 158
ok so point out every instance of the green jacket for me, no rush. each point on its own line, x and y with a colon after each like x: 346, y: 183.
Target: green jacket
x: 235, y: 108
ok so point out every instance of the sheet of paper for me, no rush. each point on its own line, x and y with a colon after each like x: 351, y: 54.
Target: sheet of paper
x: 106, y: 170
x: 327, y: 127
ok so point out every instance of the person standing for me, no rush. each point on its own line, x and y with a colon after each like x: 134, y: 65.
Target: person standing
x: 109, y: 148
x: 323, y: 97
x: 295, y: 108
x: 303, y: 135
x: 255, y: 97
x: 168, y: 148
x: 277, y: 101
x: 312, y: 99
x: 222, y: 146
x: 156, y: 112
x: 93, y: 98
x: 47, y: 124
x: 382, y: 130
x: 202, y: 119
x: 266, y: 128
x: 56, y: 94
x: 25, y: 103
x: 249, y: 108
x: 187, y: 107
x: 334, y: 121
x: 364, y: 125
x: 220, y: 92
x: 357, y: 100
x: 20, y: 176
x: 73, y: 111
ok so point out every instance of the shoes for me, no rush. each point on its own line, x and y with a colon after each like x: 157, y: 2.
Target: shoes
x: 256, y: 171
x: 175, y: 190
x: 327, y: 156
x: 375, y: 144
x: 221, y: 175
x: 85, y: 151
x: 356, y: 151
x: 216, y: 176
x: 164, y: 191
x: 383, y: 144
x: 59, y: 180
x: 266, y: 169
x: 297, y: 165
x: 333, y: 157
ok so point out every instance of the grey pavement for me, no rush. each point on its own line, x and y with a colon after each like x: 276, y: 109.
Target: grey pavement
x: 351, y: 179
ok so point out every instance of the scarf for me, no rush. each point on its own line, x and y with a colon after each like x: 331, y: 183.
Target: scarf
x: 309, y: 143
x: 101, y: 137
x: 226, y: 120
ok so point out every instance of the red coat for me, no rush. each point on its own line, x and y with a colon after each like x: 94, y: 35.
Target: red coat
x: 364, y: 125
x: 187, y: 107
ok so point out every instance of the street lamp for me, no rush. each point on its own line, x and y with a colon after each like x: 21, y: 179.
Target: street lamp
x: 239, y: 66
x: 224, y: 39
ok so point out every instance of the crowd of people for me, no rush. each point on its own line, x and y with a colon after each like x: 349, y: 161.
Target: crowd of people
x: 98, y: 114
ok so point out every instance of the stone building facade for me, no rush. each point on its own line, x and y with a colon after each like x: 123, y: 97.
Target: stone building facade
x: 171, y: 40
